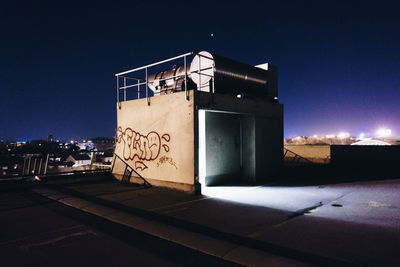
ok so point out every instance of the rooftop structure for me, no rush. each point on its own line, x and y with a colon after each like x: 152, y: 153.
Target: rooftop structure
x: 208, y: 122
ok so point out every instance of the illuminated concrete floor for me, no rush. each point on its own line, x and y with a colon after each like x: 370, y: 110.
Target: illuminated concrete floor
x: 359, y: 222
x: 376, y: 203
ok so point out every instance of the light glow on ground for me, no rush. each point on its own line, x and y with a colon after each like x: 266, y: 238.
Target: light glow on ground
x: 276, y: 197
x: 373, y: 203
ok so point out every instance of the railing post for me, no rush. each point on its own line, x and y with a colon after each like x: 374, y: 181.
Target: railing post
x: 199, y: 85
x: 29, y: 166
x: 40, y: 165
x: 23, y: 168
x: 138, y: 89
x: 45, y: 166
x: 186, y: 89
x: 147, y: 88
x: 124, y: 88
x: 118, y: 92
x: 34, y: 167
x: 213, y: 78
x: 113, y: 162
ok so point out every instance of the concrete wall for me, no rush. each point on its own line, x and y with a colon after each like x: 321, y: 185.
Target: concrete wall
x: 242, y: 147
x: 222, y: 147
x: 314, y: 153
x: 158, y: 140
x: 243, y: 139
x: 248, y: 148
x: 261, y: 134
x: 365, y: 155
x: 269, y: 147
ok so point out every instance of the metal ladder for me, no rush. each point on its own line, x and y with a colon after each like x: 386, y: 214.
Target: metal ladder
x: 128, y: 172
x: 297, y: 158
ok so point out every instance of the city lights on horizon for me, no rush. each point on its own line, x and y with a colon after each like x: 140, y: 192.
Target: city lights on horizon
x: 343, y: 135
x: 382, y: 132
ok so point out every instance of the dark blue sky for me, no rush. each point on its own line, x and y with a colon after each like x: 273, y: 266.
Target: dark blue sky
x: 339, y: 61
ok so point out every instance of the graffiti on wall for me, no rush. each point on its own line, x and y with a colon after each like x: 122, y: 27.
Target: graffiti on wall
x: 141, y: 148
x: 165, y: 159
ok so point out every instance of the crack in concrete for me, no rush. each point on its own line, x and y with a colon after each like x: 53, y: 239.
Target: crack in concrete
x: 308, y: 210
x: 55, y: 240
x: 303, y: 211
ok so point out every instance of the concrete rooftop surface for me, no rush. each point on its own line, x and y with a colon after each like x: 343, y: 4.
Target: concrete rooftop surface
x: 355, y: 223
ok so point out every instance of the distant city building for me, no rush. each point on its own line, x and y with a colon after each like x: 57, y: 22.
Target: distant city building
x: 103, y: 143
x: 49, y: 138
x: 55, y: 158
x: 107, y: 157
x: 79, y: 160
x: 85, y: 145
x: 97, y: 143
x: 340, y: 140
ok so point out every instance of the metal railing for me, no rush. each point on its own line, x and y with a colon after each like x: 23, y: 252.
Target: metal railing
x: 125, y: 80
x: 35, y: 165
x: 49, y: 164
x: 127, y: 171
x: 294, y: 158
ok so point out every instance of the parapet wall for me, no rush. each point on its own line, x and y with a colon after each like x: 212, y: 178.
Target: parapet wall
x: 365, y: 155
x: 314, y: 153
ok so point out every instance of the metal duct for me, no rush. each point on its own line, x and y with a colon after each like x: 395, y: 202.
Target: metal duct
x: 169, y: 80
x: 220, y: 75
x: 231, y: 77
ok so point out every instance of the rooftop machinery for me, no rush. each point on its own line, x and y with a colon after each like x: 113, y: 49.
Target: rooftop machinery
x: 211, y: 73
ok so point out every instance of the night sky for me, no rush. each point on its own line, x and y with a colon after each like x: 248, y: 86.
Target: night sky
x: 339, y: 61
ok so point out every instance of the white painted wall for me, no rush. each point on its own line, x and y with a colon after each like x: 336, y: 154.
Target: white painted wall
x: 157, y: 140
